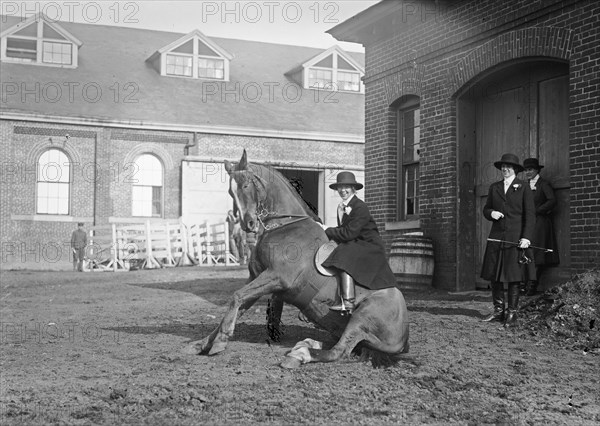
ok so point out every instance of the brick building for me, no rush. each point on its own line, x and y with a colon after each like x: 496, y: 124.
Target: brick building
x: 450, y: 86
x: 103, y: 124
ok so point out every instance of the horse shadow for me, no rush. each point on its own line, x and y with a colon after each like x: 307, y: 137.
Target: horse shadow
x: 214, y: 290
x: 244, y: 332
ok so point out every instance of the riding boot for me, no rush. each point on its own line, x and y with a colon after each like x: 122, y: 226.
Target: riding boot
x: 513, y: 304
x: 532, y: 288
x: 347, y: 294
x: 498, y: 301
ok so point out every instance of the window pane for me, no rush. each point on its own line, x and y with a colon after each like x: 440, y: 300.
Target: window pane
x: 25, y: 50
x: 320, y: 79
x: 211, y: 68
x: 53, y: 188
x: 179, y: 65
x: 56, y: 53
x: 348, y: 81
x: 147, y: 190
x: 408, y: 143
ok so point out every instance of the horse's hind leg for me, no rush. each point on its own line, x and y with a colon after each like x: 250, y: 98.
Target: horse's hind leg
x: 245, y: 297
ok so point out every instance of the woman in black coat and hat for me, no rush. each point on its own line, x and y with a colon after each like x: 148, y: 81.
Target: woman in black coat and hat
x: 543, y: 234
x: 360, y: 254
x: 510, y: 207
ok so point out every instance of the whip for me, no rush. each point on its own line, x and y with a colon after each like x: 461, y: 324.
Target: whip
x: 547, y: 250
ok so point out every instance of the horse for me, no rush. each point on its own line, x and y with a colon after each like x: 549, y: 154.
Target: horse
x: 283, y: 266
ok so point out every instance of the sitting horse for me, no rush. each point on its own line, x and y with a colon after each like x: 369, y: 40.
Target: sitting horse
x: 283, y: 265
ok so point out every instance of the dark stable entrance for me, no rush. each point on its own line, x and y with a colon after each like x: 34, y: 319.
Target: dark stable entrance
x: 306, y: 183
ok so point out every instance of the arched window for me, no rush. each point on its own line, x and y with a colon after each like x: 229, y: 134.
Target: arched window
x: 53, y: 182
x: 408, y: 137
x: 147, y: 193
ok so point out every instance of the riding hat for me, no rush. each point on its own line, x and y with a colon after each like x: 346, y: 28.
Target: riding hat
x: 511, y: 159
x: 532, y: 163
x: 346, y: 178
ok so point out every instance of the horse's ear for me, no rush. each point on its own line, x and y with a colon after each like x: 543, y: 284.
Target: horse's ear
x: 229, y: 167
x: 243, y: 164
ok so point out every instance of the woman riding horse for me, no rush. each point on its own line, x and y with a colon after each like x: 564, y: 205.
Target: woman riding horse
x: 360, y: 254
x: 283, y: 265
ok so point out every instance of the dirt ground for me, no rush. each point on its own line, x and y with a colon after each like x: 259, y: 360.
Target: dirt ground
x: 106, y: 348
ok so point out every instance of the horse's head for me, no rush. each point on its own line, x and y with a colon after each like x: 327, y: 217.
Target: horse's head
x: 248, y: 191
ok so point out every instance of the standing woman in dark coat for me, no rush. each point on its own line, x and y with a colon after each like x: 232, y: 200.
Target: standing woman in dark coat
x: 360, y: 254
x: 543, y: 234
x: 510, y: 207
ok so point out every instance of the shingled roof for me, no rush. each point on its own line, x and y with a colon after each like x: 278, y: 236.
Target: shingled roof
x: 115, y: 59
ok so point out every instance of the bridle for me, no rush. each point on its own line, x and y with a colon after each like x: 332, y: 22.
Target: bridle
x: 265, y: 216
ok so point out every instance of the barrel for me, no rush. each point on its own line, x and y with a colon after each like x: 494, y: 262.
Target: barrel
x: 411, y: 260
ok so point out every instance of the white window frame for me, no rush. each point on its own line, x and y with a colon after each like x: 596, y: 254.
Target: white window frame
x: 404, y: 165
x: 335, y: 83
x: 142, y: 201
x: 39, y: 50
x: 196, y: 57
x: 53, y: 177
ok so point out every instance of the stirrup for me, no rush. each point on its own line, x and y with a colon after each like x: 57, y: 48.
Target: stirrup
x: 347, y: 306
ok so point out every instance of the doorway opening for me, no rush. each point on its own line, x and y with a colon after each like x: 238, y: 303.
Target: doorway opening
x: 521, y: 108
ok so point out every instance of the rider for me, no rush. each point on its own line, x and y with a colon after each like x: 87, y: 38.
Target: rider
x: 360, y: 254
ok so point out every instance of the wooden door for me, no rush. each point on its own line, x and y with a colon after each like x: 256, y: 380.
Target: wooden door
x: 502, y: 126
x: 522, y: 109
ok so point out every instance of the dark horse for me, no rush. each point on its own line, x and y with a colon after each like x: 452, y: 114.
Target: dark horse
x: 283, y: 265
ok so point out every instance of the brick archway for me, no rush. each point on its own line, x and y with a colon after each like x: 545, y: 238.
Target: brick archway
x: 546, y: 42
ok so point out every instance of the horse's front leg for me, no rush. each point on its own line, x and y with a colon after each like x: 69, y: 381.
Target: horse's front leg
x: 266, y: 283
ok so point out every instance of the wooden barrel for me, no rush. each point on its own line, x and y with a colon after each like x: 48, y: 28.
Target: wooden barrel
x: 411, y: 260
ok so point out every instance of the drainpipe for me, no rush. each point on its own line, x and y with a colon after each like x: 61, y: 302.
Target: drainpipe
x: 186, y: 148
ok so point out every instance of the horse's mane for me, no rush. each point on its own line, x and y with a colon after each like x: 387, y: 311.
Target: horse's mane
x: 266, y: 171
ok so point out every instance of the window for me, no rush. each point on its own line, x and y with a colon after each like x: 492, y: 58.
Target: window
x: 22, y: 50
x: 57, y: 53
x: 193, y: 58
x: 53, y: 183
x: 334, y: 73
x: 211, y: 68
x: 37, y: 41
x: 147, y: 187
x: 408, y: 135
x: 320, y: 79
x: 179, y: 65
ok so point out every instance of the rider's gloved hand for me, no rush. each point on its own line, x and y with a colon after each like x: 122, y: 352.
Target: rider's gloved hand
x: 322, y: 225
x: 524, y: 243
x: 497, y: 215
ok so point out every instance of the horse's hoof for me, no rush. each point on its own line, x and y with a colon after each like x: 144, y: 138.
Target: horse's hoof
x: 290, y: 362
x: 217, y: 348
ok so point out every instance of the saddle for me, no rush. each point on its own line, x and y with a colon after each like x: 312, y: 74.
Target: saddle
x: 322, y: 254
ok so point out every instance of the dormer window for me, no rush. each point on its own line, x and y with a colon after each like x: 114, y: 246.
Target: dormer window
x: 334, y: 73
x: 38, y: 41
x: 333, y: 70
x: 193, y: 56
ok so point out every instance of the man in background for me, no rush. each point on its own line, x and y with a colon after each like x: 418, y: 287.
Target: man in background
x: 78, y: 245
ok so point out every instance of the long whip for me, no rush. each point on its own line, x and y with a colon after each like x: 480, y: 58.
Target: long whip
x: 547, y: 250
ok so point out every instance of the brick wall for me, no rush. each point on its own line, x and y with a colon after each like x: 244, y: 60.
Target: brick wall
x: 435, y: 57
x: 103, y: 173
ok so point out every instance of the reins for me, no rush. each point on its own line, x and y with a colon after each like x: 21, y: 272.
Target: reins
x: 264, y: 215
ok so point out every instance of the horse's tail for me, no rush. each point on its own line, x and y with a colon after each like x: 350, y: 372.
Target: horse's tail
x: 380, y: 359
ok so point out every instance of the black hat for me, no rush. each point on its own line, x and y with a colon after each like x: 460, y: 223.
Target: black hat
x: 511, y: 159
x: 532, y: 163
x: 346, y: 178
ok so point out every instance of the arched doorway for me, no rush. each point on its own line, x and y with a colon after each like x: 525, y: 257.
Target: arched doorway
x: 523, y: 108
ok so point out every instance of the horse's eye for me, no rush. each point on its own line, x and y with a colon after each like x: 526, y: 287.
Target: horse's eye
x: 245, y: 186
